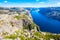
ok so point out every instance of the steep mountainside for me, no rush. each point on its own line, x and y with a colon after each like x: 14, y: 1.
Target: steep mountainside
x: 16, y: 26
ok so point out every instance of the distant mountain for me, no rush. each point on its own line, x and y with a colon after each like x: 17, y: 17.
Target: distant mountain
x: 51, y: 12
x: 13, y: 9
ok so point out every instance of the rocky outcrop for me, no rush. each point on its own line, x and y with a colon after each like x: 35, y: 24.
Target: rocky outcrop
x: 14, y: 25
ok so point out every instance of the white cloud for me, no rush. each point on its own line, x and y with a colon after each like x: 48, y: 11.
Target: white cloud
x: 58, y: 3
x: 5, y: 1
x: 39, y: 4
x: 42, y: 2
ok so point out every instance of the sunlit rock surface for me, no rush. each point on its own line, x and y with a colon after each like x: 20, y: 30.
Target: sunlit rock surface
x: 15, y: 24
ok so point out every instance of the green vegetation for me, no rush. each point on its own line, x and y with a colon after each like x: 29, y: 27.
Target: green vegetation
x: 22, y: 37
x: 35, y: 36
x: 12, y: 36
x: 38, y: 34
x: 20, y: 16
x: 17, y: 17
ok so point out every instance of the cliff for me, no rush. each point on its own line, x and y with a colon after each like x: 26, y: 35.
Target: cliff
x: 16, y: 26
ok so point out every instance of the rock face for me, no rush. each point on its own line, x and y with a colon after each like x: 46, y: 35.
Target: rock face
x: 9, y: 24
x: 14, y: 25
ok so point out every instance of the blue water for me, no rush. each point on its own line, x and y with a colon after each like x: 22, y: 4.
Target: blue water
x: 45, y: 24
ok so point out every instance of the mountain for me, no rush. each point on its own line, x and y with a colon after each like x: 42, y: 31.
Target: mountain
x: 20, y: 26
x: 51, y: 12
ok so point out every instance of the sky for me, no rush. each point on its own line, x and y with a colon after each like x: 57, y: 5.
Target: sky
x: 30, y: 3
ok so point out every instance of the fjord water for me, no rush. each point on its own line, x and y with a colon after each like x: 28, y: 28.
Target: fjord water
x: 45, y: 24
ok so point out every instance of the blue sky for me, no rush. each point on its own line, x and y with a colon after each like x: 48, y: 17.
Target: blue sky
x: 29, y: 3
